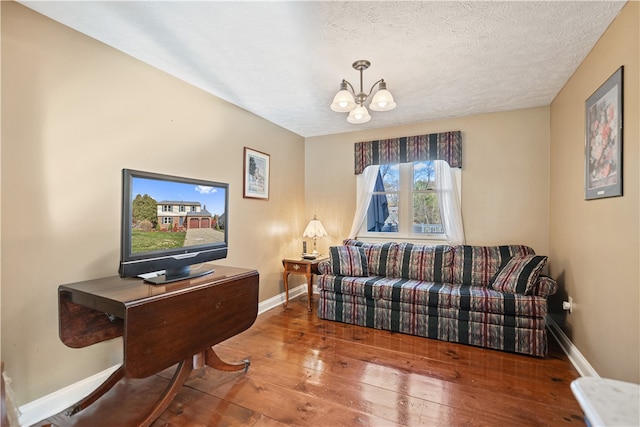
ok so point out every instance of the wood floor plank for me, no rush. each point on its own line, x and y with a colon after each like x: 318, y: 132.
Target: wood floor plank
x: 463, y: 354
x: 284, y: 404
x: 396, y: 407
x: 307, y: 371
x: 355, y: 360
x: 406, y: 385
x: 193, y: 408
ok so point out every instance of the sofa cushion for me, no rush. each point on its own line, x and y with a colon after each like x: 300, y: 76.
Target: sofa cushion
x: 368, y: 287
x: 424, y: 262
x: 381, y: 257
x: 477, y: 265
x: 416, y: 292
x: 348, y: 261
x: 518, y: 275
x: 486, y: 300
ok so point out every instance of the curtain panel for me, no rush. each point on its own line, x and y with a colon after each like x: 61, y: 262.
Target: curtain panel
x: 445, y: 146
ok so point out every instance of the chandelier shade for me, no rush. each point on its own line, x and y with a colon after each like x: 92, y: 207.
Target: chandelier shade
x: 348, y: 101
x: 382, y: 100
x: 359, y: 115
x: 343, y: 102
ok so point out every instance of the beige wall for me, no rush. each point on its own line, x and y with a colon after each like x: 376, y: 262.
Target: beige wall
x: 594, y: 244
x: 505, y: 176
x: 74, y: 113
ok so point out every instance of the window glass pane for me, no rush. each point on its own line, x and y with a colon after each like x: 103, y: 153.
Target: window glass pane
x: 426, y: 213
x: 424, y: 176
x: 390, y: 176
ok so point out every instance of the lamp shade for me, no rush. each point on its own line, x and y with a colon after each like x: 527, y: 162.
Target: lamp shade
x: 359, y: 115
x: 343, y: 102
x: 382, y: 101
x: 315, y: 230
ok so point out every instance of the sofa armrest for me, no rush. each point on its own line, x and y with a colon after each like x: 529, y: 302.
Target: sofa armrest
x: 324, y: 267
x: 545, y: 286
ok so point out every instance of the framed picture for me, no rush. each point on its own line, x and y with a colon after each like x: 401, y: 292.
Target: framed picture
x: 256, y: 174
x: 603, y: 144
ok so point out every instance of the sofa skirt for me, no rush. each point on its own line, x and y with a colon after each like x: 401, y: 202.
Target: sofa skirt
x: 508, y: 333
x: 428, y: 322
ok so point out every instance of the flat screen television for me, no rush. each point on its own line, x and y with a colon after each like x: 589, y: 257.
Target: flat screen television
x: 171, y: 224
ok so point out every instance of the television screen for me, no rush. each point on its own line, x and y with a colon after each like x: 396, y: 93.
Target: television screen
x: 171, y: 223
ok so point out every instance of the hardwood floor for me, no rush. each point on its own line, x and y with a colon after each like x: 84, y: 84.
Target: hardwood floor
x: 310, y: 372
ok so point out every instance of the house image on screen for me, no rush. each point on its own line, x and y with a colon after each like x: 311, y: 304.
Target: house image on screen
x: 181, y: 216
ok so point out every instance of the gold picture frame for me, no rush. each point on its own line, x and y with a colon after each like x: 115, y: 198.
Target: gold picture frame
x: 256, y: 174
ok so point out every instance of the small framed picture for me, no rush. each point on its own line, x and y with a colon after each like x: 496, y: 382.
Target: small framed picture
x: 603, y: 144
x: 256, y: 174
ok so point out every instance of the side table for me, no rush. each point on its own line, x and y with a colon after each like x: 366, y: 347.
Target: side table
x: 306, y: 267
x: 163, y: 325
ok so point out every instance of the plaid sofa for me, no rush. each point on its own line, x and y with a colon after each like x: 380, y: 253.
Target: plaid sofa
x: 489, y: 296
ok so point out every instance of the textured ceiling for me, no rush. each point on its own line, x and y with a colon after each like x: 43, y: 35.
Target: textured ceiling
x: 284, y: 60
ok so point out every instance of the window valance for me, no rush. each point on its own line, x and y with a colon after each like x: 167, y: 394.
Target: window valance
x: 445, y: 146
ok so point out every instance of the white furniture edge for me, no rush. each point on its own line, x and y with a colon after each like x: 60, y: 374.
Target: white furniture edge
x: 54, y: 403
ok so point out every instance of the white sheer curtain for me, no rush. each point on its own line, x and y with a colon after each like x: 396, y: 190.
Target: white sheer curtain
x: 449, y: 204
x: 365, y: 183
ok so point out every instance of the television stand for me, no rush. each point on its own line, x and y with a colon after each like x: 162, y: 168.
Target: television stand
x: 178, y: 274
x: 161, y: 326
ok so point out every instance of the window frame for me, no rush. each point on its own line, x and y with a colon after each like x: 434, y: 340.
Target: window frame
x: 405, y: 205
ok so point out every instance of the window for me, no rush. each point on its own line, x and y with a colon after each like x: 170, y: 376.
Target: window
x: 182, y: 208
x: 405, y: 203
x: 166, y: 208
x: 166, y: 220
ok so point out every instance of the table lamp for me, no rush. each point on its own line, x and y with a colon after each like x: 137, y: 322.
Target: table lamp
x: 315, y: 231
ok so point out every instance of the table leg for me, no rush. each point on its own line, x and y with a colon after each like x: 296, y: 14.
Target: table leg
x: 212, y: 360
x: 97, y: 393
x: 286, y: 288
x: 309, y: 289
x: 182, y: 373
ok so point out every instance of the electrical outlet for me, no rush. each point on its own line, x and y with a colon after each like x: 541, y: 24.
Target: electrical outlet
x: 568, y: 305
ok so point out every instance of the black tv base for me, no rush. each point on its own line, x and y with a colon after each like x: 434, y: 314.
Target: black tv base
x: 177, y: 274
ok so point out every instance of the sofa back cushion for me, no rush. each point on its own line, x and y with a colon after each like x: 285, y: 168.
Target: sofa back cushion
x: 423, y: 262
x: 477, y: 265
x: 348, y: 261
x: 381, y: 257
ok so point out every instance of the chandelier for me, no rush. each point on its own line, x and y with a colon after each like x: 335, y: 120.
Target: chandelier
x: 348, y: 101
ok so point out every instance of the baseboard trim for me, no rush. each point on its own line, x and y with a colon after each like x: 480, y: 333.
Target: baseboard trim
x: 56, y: 402
x: 279, y: 299
x: 576, y: 358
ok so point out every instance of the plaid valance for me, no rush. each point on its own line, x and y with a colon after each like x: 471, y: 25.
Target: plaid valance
x: 445, y: 146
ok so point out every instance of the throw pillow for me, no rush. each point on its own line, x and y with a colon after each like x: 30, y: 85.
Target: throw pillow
x: 348, y: 261
x: 518, y: 275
